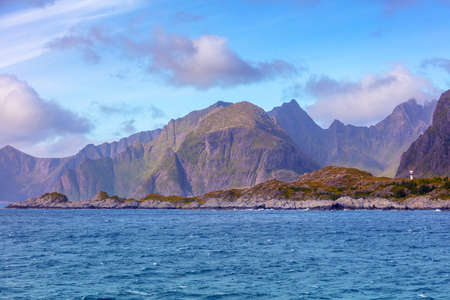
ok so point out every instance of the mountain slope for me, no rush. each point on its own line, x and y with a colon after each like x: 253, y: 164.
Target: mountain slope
x: 429, y: 154
x: 376, y: 148
x: 22, y: 175
x: 301, y: 128
x: 220, y: 147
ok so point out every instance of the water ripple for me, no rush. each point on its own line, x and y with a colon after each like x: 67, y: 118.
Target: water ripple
x: 146, y: 254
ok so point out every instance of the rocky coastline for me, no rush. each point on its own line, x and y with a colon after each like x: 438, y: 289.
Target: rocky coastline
x: 61, y: 202
x: 330, y: 188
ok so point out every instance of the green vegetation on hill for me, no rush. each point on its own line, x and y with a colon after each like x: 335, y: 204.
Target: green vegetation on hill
x: 329, y: 183
x: 53, y: 195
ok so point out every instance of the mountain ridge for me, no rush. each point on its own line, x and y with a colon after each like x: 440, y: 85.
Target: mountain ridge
x: 162, y: 160
x: 376, y: 148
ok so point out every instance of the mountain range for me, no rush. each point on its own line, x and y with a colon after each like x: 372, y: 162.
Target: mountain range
x: 223, y: 146
x: 376, y: 148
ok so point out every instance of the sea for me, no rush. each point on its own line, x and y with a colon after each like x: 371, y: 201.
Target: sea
x: 224, y: 254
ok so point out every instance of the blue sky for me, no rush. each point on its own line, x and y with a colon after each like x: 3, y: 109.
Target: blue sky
x: 77, y: 72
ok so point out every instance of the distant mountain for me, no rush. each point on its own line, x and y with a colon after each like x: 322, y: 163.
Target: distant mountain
x: 22, y: 175
x: 376, y: 148
x: 429, y: 154
x: 220, y: 147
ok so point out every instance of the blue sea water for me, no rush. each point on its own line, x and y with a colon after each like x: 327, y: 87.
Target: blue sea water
x: 208, y: 254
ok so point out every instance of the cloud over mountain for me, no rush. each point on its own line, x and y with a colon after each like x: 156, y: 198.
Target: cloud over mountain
x: 28, y: 119
x: 367, y: 100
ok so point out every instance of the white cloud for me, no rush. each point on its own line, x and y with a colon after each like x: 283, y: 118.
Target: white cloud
x: 31, y: 29
x: 203, y: 62
x: 27, y: 119
x: 368, y: 100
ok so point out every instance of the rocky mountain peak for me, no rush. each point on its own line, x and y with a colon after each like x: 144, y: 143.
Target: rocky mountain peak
x: 10, y: 151
x: 9, y: 148
x: 336, y: 124
x: 293, y: 110
x: 241, y: 114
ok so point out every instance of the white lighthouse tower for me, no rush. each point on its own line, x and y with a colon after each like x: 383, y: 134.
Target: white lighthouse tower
x: 411, y: 174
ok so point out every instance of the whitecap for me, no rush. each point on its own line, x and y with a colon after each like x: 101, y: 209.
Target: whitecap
x: 138, y: 293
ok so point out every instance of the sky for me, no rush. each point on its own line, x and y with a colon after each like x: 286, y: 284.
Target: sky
x: 74, y: 72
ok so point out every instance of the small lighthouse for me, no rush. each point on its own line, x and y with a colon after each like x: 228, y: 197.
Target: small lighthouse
x: 411, y: 174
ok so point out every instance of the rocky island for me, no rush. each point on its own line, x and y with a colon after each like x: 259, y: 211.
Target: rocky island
x: 328, y: 188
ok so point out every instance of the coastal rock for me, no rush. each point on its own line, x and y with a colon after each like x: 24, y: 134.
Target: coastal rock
x: 422, y: 203
x: 48, y: 200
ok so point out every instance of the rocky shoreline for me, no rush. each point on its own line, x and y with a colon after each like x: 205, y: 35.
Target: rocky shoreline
x: 61, y: 202
x: 328, y: 188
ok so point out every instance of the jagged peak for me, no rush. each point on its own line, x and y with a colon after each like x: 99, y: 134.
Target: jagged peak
x: 293, y: 102
x: 291, y: 107
x: 8, y: 148
x: 411, y: 103
x: 411, y: 111
x: 336, y: 123
x: 11, y: 149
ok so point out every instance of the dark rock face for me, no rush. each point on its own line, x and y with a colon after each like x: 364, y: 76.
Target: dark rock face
x: 376, y: 148
x: 429, y: 154
x: 301, y: 128
x: 220, y: 147
x: 235, y: 146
